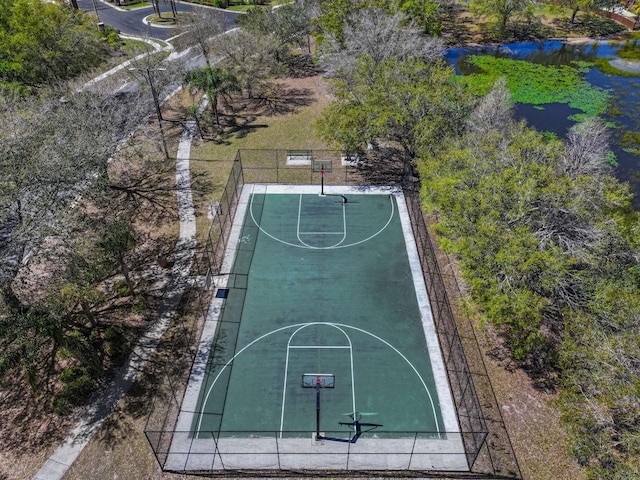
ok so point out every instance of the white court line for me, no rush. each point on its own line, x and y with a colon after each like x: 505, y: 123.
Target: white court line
x: 353, y: 380
x: 415, y: 370
x: 344, y: 227
x: 332, y: 347
x: 273, y: 237
x: 286, y: 368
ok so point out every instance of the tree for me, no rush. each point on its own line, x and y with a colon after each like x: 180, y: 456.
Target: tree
x: 158, y: 78
x: 198, y: 29
x: 427, y: 14
x: 247, y: 57
x: 503, y: 10
x: 117, y: 239
x: 494, y: 112
x: 214, y: 82
x: 408, y: 102
x: 55, y: 154
x: 281, y: 28
x: 533, y: 222
x: 51, y: 149
x: 158, y: 11
x: 332, y: 17
x: 39, y: 44
x: 380, y: 36
x: 578, y: 5
x: 587, y: 149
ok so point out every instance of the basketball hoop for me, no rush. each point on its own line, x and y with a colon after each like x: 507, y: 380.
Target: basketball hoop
x: 323, y: 167
x: 318, y: 381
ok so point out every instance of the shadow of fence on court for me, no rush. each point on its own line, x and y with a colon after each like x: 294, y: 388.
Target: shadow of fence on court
x: 487, y: 447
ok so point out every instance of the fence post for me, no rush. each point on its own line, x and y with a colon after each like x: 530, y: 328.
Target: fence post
x: 275, y: 434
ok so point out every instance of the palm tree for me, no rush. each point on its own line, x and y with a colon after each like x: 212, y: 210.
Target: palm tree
x: 214, y: 82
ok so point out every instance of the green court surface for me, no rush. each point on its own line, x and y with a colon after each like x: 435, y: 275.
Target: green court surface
x: 319, y: 286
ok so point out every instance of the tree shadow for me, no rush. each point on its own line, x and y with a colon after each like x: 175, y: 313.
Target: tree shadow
x: 455, y: 25
x: 237, y: 114
x: 301, y: 66
x: 158, y: 390
x: 383, y: 165
x: 277, y: 99
x: 28, y: 422
x: 588, y: 25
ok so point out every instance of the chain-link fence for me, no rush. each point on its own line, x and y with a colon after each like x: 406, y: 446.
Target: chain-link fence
x: 488, y: 452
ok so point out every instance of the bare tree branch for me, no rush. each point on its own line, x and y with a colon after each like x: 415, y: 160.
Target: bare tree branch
x: 381, y: 36
x: 587, y: 149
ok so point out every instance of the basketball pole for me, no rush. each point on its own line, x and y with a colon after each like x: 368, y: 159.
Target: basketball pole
x: 318, y: 436
x: 322, y: 172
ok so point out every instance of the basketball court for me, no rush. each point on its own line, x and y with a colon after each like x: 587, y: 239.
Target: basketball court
x: 319, y: 351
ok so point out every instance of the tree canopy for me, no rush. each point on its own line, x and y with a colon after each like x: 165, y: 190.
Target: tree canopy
x: 214, y: 82
x: 404, y: 101
x: 501, y: 10
x: 54, y: 153
x: 44, y: 42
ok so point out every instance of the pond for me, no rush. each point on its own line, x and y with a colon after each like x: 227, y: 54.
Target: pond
x: 621, y: 108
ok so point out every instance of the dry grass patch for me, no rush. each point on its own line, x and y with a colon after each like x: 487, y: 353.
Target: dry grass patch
x: 29, y: 431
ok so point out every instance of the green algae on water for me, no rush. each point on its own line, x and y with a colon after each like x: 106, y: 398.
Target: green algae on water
x: 537, y: 84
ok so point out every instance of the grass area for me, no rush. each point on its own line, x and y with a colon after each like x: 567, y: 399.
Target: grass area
x: 132, y: 47
x: 246, y: 8
x: 293, y: 129
x: 166, y: 19
x: 133, y: 6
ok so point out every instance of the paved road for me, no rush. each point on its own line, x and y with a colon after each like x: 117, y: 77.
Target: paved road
x: 131, y: 21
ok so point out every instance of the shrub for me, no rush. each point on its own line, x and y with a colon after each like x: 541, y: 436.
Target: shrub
x: 77, y: 387
x: 121, y: 288
x: 115, y: 344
